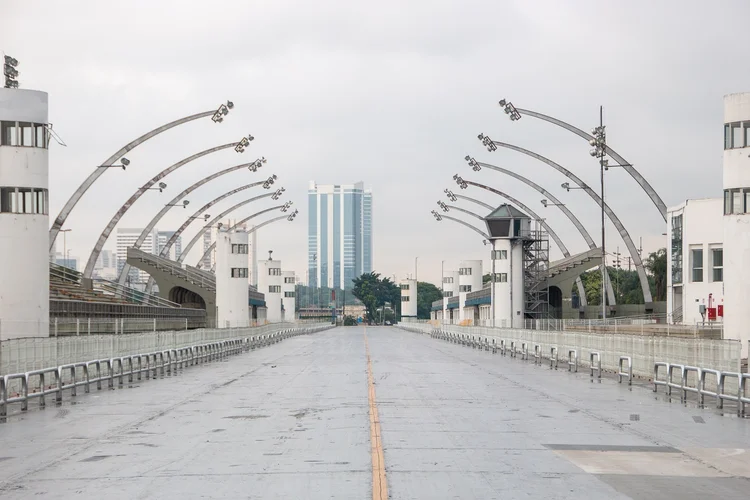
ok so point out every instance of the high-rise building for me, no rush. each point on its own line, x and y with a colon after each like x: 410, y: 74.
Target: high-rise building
x: 175, y: 251
x: 339, y: 234
x: 126, y: 237
x: 207, y: 261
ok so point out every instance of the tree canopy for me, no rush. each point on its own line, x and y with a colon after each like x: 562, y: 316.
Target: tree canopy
x: 427, y: 293
x: 626, y: 284
x: 374, y: 292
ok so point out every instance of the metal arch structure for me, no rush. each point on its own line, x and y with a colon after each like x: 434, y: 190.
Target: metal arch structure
x: 78, y: 194
x: 468, y: 212
x: 629, y: 168
x: 473, y: 200
x: 144, y: 234
x: 213, y: 221
x: 466, y: 224
x: 210, y: 249
x: 645, y: 288
x: 138, y: 193
x: 543, y: 223
x: 477, y: 166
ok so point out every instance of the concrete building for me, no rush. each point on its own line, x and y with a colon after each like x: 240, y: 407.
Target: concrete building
x: 695, y: 265
x: 207, y: 261
x: 408, y: 298
x: 24, y: 209
x: 232, y: 279
x: 126, y: 237
x: 736, y: 254
x: 270, y: 283
x: 175, y: 251
x: 450, y: 289
x: 339, y: 234
x: 289, y: 292
x: 469, y: 280
x: 106, y: 265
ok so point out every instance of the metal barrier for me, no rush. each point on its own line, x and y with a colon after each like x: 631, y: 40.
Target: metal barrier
x: 598, y: 356
x: 686, y: 371
x: 628, y: 373
x: 524, y: 351
x: 730, y: 397
x: 744, y: 399
x: 573, y: 362
x: 658, y: 382
x: 70, y: 376
x: 553, y: 357
x: 537, y: 354
x: 670, y: 378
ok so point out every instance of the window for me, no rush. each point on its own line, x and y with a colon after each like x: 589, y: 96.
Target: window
x: 696, y: 257
x: 727, y: 202
x: 23, y: 134
x: 464, y: 288
x: 405, y: 286
x: 289, y: 294
x: 289, y: 280
x: 274, y: 288
x: 239, y: 272
x: 501, y: 277
x: 274, y: 271
x: 737, y: 206
x: 239, y: 248
x: 24, y: 200
x: 465, y: 271
x: 737, y: 139
x: 717, y: 263
x: 8, y: 136
x: 26, y: 134
x: 499, y: 255
x: 448, y: 279
x: 40, y: 133
x: 448, y: 293
x: 404, y: 298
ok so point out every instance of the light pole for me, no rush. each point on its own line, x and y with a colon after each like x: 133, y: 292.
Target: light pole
x: 599, y: 142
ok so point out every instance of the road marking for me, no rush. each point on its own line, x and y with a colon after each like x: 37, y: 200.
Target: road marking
x: 379, y: 483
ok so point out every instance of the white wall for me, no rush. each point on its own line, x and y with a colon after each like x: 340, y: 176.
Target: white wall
x: 408, y: 298
x: 289, y: 281
x: 473, y: 279
x: 450, y: 286
x: 232, y: 299
x: 24, y: 238
x: 266, y: 280
x: 736, y: 174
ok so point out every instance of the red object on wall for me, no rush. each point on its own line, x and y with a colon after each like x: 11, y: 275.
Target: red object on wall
x: 711, y: 314
x: 721, y: 310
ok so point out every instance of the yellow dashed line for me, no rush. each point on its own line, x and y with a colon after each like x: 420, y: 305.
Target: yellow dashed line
x: 379, y: 483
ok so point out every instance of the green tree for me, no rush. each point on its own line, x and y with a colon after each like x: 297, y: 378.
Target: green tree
x: 427, y: 293
x: 656, y: 264
x: 375, y: 292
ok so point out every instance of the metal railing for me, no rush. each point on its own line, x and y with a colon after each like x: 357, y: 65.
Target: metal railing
x: 22, y: 387
x: 717, y: 384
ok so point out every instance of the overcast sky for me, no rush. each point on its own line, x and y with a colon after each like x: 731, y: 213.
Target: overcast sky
x: 392, y: 93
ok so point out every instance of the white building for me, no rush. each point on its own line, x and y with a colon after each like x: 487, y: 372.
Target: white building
x: 736, y: 257
x: 469, y: 280
x: 106, y: 265
x: 232, y: 279
x: 175, y: 250
x: 24, y: 209
x: 695, y: 266
x: 507, y: 226
x: 408, y: 298
x: 126, y: 237
x: 450, y: 289
x: 253, y: 255
x: 289, y: 292
x: 270, y: 283
x: 207, y: 261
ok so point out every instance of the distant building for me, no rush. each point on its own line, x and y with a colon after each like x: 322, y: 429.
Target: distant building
x: 206, y: 262
x: 175, y: 250
x: 126, y: 237
x: 340, y: 244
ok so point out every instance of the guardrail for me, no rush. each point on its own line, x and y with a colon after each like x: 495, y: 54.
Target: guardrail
x: 68, y: 377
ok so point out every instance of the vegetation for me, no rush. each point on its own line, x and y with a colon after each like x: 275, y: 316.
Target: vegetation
x: 374, y: 292
x: 308, y: 296
x: 350, y: 321
x: 427, y: 293
x: 626, y: 284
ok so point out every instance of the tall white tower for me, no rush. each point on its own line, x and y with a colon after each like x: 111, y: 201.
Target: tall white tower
x: 24, y: 209
x: 270, y: 284
x: 232, y: 279
x: 408, y: 298
x: 450, y: 289
x: 736, y: 253
x: 469, y: 280
x: 289, y: 299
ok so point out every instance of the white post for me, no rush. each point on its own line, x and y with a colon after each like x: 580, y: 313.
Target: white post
x: 155, y: 324
x: 186, y: 324
x: 89, y: 322
x: 55, y: 327
x: 78, y: 327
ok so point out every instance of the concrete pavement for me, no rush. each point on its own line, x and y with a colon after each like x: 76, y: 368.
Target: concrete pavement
x: 292, y: 421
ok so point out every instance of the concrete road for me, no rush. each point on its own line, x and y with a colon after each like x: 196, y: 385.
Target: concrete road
x: 293, y: 421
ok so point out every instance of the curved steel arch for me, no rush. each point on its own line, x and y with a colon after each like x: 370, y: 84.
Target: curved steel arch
x: 650, y: 191
x: 138, y: 193
x: 558, y: 241
x: 477, y: 166
x: 93, y: 176
x: 213, y: 245
x: 464, y: 223
x: 474, y: 200
x: 213, y: 221
x: 144, y: 234
x: 646, y: 289
x: 265, y: 223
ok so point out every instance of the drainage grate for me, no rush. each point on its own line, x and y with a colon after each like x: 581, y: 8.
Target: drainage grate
x: 634, y: 417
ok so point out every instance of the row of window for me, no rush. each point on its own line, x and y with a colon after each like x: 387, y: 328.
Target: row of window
x: 464, y: 288
x: 736, y: 201
x: 717, y: 264
x: 19, y: 200
x: 499, y: 255
x: 405, y: 286
x: 465, y: 271
x: 448, y: 279
x: 736, y: 135
x: 32, y: 135
x: 274, y: 271
x: 501, y: 277
x: 289, y: 294
x: 239, y: 248
x: 274, y: 288
x: 448, y: 293
x: 404, y: 298
x: 289, y: 280
x: 239, y: 272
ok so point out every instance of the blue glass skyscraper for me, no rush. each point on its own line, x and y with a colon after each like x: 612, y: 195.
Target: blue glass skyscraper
x: 339, y: 234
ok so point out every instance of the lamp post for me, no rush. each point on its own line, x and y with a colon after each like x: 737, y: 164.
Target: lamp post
x: 599, y: 143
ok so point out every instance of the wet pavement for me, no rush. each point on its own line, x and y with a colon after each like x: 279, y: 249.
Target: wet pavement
x: 292, y: 421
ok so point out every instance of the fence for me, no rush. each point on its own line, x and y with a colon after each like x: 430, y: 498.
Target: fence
x: 162, y: 354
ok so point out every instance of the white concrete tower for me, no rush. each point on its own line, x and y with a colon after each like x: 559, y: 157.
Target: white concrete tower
x: 469, y: 280
x: 507, y: 227
x: 289, y: 299
x: 24, y: 209
x: 408, y: 298
x: 232, y: 279
x: 270, y: 283
x: 736, y: 254
x: 450, y: 289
